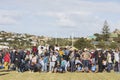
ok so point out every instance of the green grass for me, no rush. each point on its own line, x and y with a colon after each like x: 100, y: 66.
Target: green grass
x: 13, y: 75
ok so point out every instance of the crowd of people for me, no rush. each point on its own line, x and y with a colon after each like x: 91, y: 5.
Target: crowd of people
x: 54, y: 59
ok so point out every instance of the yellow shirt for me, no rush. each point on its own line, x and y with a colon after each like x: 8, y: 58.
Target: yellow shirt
x: 61, y: 53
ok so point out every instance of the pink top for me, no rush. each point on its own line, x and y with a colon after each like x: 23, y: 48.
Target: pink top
x: 7, y: 57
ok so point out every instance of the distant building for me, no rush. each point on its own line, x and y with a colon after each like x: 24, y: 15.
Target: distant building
x: 114, y: 34
x: 117, y: 31
x: 4, y: 43
x: 1, y: 38
x: 91, y: 37
x: 10, y: 39
x: 4, y: 47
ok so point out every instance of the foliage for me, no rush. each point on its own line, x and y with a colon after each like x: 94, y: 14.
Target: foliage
x: 105, y: 31
x: 117, y: 39
x: 59, y: 41
x: 101, y: 44
x: 98, y: 37
x: 82, y: 43
x: 64, y: 42
x: 113, y: 45
x: 51, y: 41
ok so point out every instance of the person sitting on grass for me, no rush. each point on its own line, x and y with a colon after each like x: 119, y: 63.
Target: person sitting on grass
x: 58, y: 68
x: 1, y: 66
x: 93, y: 68
x: 78, y: 64
x: 63, y: 64
x: 104, y: 63
x: 33, y: 63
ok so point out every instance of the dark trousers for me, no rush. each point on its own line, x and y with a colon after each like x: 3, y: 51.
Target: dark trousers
x: 116, y: 67
x: 86, y: 65
x: 109, y: 67
x: 1, y: 60
x: 63, y: 68
x: 32, y: 67
x: 22, y: 67
x: 17, y: 65
x: 100, y: 67
x: 72, y: 65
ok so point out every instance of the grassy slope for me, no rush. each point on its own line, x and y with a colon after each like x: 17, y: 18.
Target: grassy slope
x: 58, y: 76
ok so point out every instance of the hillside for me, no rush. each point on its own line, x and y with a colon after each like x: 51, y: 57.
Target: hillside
x: 19, y: 40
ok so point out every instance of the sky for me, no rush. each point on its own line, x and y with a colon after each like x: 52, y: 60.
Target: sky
x: 59, y: 18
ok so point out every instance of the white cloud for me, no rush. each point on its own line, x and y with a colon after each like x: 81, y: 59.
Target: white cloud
x: 117, y: 25
x: 66, y: 5
x: 8, y: 17
x: 7, y: 20
x: 13, y: 13
x: 64, y: 18
x: 85, y: 15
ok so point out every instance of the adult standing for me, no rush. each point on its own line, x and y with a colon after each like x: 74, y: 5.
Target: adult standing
x: 86, y: 58
x: 46, y: 60
x: 109, y: 61
x: 1, y: 57
x: 72, y: 61
x: 117, y: 59
x: 100, y: 61
x: 6, y: 60
x: 17, y: 61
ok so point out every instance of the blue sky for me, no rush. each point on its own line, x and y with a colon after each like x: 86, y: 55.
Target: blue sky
x: 59, y: 18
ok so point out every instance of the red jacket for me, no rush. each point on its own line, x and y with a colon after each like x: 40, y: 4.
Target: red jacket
x: 7, y: 57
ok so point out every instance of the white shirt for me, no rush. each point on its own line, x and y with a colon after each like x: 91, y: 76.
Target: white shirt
x: 57, y: 48
x: 34, y: 59
x: 116, y: 56
x: 109, y: 58
x: 41, y: 62
x: 54, y: 58
x: 77, y: 61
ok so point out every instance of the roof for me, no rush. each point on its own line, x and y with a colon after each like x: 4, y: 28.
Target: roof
x: 113, y: 35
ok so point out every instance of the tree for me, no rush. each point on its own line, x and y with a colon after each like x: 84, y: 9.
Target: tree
x: 98, y: 37
x: 113, y: 45
x: 60, y: 42
x: 101, y: 44
x: 83, y: 43
x: 105, y: 31
x: 51, y: 41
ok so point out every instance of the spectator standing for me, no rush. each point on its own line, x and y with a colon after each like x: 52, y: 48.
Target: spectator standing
x: 86, y: 58
x: 6, y: 60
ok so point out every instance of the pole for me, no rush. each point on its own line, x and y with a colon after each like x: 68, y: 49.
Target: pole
x: 56, y: 39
